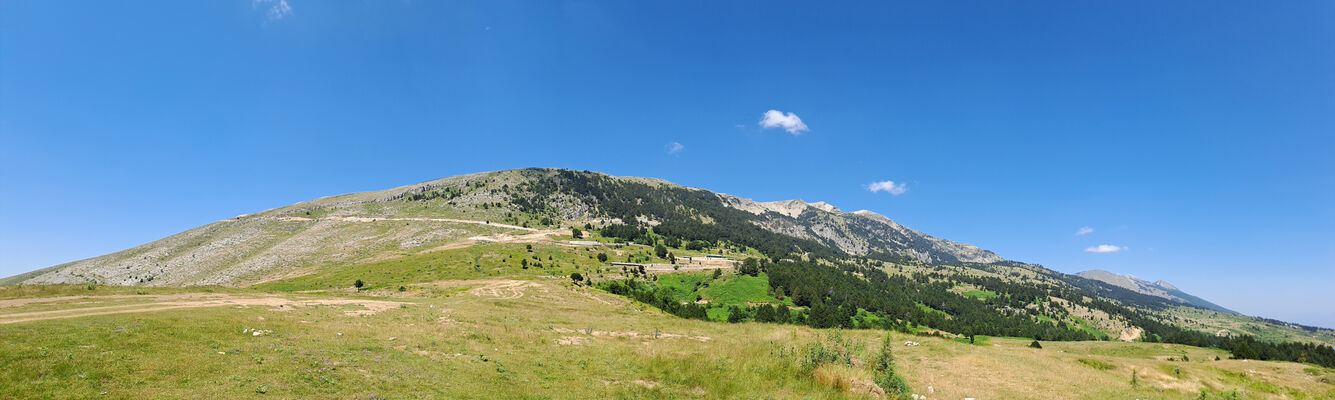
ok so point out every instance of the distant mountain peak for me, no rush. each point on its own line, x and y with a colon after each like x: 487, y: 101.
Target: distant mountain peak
x: 1158, y: 288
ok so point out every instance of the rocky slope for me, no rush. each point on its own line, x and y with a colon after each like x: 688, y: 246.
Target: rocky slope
x: 859, y: 232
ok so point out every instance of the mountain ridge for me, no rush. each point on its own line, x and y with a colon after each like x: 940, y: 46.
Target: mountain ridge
x: 1158, y: 288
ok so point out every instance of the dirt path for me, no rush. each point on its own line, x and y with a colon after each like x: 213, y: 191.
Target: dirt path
x: 179, y: 301
x: 499, y: 289
x: 682, y: 267
x: 594, y: 298
x: 538, y: 236
x: 503, y: 290
x: 368, y: 219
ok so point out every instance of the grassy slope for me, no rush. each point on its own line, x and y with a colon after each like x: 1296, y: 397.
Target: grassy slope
x: 740, y: 289
x: 471, y: 262
x: 1213, y: 321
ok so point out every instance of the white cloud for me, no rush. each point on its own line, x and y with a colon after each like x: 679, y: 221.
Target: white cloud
x: 1104, y: 248
x: 789, y: 122
x: 275, y: 9
x: 890, y: 187
x: 674, y: 148
x: 1084, y: 231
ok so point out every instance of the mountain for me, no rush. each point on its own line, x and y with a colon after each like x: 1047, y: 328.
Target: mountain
x: 818, y: 253
x: 456, y: 211
x: 1159, y: 288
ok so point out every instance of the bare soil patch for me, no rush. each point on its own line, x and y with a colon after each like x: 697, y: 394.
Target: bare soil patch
x: 502, y: 289
x: 178, y: 301
x: 1130, y: 335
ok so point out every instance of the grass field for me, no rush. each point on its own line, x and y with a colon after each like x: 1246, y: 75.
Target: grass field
x: 534, y: 337
x: 742, y: 289
x: 474, y: 323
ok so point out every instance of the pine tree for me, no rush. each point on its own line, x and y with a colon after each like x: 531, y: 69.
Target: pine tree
x: 735, y: 314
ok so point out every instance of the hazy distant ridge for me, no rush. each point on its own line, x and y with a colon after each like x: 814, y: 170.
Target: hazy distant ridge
x: 1158, y: 289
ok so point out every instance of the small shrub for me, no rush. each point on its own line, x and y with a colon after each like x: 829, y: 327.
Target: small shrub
x: 884, y: 368
x: 832, y: 350
x: 1096, y: 364
x: 1035, y: 345
x: 358, y: 284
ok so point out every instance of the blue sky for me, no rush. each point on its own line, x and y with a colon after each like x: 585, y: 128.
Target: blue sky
x: 1198, y: 140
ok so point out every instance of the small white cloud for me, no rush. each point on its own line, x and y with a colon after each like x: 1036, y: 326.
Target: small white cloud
x: 1104, y: 248
x: 275, y: 9
x: 778, y: 119
x: 674, y: 148
x: 1084, y: 231
x: 890, y: 187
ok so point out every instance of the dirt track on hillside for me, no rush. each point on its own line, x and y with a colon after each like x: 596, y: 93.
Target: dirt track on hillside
x: 369, y: 219
x: 538, y: 236
x: 174, y: 302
